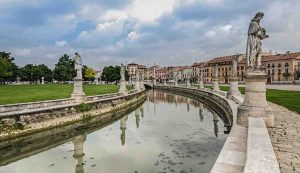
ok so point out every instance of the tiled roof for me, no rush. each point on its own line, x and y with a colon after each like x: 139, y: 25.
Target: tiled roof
x: 221, y: 59
x: 281, y: 57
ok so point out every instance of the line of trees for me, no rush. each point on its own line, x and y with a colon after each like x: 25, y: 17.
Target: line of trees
x: 63, y: 71
x: 112, y: 74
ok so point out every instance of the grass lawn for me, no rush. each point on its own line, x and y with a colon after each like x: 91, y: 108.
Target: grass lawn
x: 288, y: 99
x: 10, y: 94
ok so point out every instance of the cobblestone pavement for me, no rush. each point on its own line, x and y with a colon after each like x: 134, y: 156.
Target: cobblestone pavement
x: 285, y: 137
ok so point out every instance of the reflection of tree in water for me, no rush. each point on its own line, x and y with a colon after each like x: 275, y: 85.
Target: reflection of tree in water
x: 123, y: 128
x: 78, y: 142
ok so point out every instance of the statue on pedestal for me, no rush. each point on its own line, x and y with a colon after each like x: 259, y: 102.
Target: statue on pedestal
x: 255, y: 34
x: 122, y: 71
x: 234, y: 67
x: 78, y: 66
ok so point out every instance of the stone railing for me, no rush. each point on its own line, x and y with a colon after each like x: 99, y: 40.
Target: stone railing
x: 33, y: 105
x: 260, y: 154
x: 27, y: 113
x: 217, y: 103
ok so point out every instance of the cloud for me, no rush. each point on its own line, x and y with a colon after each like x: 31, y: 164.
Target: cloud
x: 170, y: 32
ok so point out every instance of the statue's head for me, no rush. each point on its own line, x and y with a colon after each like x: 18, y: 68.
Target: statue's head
x: 76, y: 53
x: 258, y: 16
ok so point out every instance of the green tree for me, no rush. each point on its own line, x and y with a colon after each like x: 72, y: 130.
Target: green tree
x: 88, y: 73
x: 8, y: 69
x: 112, y: 74
x: 64, y: 69
x: 34, y: 73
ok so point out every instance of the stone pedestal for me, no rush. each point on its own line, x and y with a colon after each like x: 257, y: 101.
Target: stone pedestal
x: 201, y: 85
x: 123, y: 89
x: 216, y: 84
x: 78, y: 93
x: 188, y: 84
x: 255, y: 102
x: 137, y: 85
x: 234, y: 88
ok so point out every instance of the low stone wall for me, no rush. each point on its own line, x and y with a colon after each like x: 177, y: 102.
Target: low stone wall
x: 28, y: 121
x: 216, y: 103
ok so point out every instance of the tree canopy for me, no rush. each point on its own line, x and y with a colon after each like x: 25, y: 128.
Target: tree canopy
x: 112, y: 74
x: 64, y: 69
x: 8, y: 69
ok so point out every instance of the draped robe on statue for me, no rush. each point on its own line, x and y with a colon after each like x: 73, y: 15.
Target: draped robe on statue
x: 253, y: 44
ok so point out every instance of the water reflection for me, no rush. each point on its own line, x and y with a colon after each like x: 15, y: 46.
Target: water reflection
x: 78, y: 152
x: 177, y: 135
x: 123, y: 128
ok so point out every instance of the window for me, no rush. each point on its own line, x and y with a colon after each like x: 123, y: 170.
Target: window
x: 286, y: 71
x: 242, y: 67
x: 269, y: 66
x: 286, y: 64
x: 238, y: 68
x: 279, y: 65
x: 273, y: 65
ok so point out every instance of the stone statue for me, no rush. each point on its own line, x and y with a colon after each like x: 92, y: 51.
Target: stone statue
x: 122, y: 72
x: 78, y: 66
x: 255, y: 35
x: 234, y: 66
x: 137, y: 75
x: 216, y: 71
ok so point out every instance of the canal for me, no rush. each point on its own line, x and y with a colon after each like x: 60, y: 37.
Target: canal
x: 166, y: 133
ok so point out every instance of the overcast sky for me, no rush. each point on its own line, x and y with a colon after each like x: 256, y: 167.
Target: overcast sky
x: 169, y: 32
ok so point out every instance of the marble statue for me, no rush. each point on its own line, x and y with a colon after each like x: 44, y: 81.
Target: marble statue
x: 255, y: 34
x: 234, y: 66
x: 122, y: 72
x: 78, y: 66
x: 216, y: 71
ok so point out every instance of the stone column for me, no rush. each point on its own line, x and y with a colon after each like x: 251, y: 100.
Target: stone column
x: 234, y: 82
x: 123, y: 89
x: 78, y: 152
x: 255, y: 102
x: 78, y: 93
x: 200, y: 79
x: 216, y: 80
x: 154, y: 75
x: 123, y: 129
x: 176, y: 84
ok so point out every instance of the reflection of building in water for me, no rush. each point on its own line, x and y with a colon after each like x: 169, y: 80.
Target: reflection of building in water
x: 142, y: 111
x: 188, y: 104
x: 78, y: 152
x: 169, y: 98
x: 201, y: 109
x: 216, y: 120
x: 137, y: 117
x: 123, y: 128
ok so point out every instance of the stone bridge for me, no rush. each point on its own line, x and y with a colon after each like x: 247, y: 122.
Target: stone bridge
x: 247, y: 149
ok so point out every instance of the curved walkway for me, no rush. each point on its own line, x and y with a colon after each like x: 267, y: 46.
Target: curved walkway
x: 285, y: 137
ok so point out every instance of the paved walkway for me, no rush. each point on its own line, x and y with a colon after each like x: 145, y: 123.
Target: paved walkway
x: 285, y: 137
